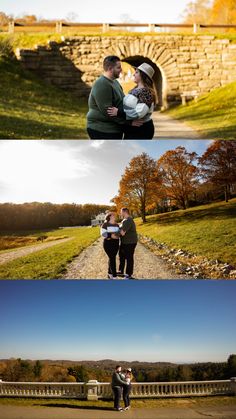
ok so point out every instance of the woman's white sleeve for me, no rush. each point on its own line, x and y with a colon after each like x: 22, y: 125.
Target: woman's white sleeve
x: 138, y: 112
x: 103, y: 232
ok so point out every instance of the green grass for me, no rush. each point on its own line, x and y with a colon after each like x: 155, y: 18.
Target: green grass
x: 213, y: 115
x: 107, y: 405
x: 51, y: 262
x: 28, y: 39
x: 207, y: 230
x: 31, y: 109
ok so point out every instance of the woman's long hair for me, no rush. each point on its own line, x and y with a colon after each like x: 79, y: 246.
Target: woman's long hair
x: 148, y: 83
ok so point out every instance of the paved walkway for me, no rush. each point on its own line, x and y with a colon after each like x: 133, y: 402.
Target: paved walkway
x: 63, y: 412
x: 92, y: 264
x: 27, y: 250
x: 169, y: 128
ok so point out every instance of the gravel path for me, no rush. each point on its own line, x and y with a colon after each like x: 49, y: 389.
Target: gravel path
x: 167, y: 127
x: 92, y: 264
x: 24, y: 251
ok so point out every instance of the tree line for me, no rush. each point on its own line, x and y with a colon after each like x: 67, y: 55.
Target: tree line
x: 37, y: 216
x: 178, y: 179
x: 66, y: 371
x: 210, y: 12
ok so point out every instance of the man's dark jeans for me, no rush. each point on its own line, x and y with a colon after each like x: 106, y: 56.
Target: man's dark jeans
x: 117, y: 390
x: 98, y: 135
x: 126, y: 254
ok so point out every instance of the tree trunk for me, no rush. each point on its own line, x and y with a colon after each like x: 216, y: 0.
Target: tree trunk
x: 226, y: 193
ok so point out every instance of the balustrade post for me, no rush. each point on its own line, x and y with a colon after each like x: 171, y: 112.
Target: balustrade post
x: 92, y: 390
x: 233, y: 385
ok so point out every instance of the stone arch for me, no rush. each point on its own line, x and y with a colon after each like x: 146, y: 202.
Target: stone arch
x: 159, y: 78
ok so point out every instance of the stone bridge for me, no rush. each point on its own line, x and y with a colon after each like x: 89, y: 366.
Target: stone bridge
x: 184, y: 65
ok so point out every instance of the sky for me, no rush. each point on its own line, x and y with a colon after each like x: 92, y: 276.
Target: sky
x: 153, y: 11
x: 174, y: 321
x: 73, y: 171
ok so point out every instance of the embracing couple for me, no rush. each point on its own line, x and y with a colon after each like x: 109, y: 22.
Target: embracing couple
x: 114, y: 115
x: 121, y: 382
x: 120, y: 238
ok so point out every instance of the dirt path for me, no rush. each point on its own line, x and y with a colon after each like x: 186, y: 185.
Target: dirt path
x: 24, y: 251
x: 92, y: 264
x: 168, y: 127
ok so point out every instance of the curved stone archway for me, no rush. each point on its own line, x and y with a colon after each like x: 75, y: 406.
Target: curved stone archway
x: 190, y: 65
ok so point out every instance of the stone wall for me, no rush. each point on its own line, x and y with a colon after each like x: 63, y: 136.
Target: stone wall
x: 186, y: 64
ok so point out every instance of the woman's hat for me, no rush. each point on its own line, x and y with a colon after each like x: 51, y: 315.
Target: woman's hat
x: 129, y: 369
x: 147, y: 69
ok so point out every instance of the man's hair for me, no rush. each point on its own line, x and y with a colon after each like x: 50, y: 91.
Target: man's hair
x: 118, y: 366
x: 125, y: 210
x: 110, y: 61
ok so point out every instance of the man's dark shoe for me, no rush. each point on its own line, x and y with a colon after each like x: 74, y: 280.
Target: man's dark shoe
x: 129, y: 277
x: 120, y: 274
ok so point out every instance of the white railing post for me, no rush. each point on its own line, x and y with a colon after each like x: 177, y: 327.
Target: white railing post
x: 59, y: 26
x: 92, y: 390
x: 195, y: 27
x: 11, y: 26
x: 105, y: 27
x: 151, y: 27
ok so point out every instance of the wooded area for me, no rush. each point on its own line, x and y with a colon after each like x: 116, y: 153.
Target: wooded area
x: 69, y: 371
x: 36, y: 215
x: 178, y: 180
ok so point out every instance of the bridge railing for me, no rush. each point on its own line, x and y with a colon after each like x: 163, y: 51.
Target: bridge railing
x: 106, y: 27
x: 93, y: 390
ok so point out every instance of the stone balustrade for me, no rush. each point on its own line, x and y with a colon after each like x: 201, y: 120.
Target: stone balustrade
x: 93, y: 390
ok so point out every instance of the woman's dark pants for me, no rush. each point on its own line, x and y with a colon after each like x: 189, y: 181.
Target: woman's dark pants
x: 111, y: 248
x: 126, y: 394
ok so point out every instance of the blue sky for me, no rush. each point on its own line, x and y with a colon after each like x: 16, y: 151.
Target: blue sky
x: 157, y: 11
x: 73, y: 171
x: 174, y: 321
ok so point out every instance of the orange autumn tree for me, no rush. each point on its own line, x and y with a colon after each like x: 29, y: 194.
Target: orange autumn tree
x: 179, y: 175
x: 223, y: 12
x: 139, y: 185
x: 218, y: 165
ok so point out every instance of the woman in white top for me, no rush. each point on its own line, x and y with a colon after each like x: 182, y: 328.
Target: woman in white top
x: 127, y: 389
x: 110, y: 232
x: 139, y: 103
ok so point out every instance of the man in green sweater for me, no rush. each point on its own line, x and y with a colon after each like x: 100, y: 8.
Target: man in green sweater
x: 107, y: 92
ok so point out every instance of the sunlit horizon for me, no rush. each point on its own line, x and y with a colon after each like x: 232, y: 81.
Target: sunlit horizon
x: 71, y: 171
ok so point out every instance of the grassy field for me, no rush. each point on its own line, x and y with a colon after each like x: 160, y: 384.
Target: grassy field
x: 31, y: 109
x: 207, y: 231
x: 26, y: 238
x: 23, y: 38
x: 213, y: 115
x: 107, y: 405
x: 51, y: 262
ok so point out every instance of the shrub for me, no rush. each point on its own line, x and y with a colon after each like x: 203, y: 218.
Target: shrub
x: 6, y: 48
